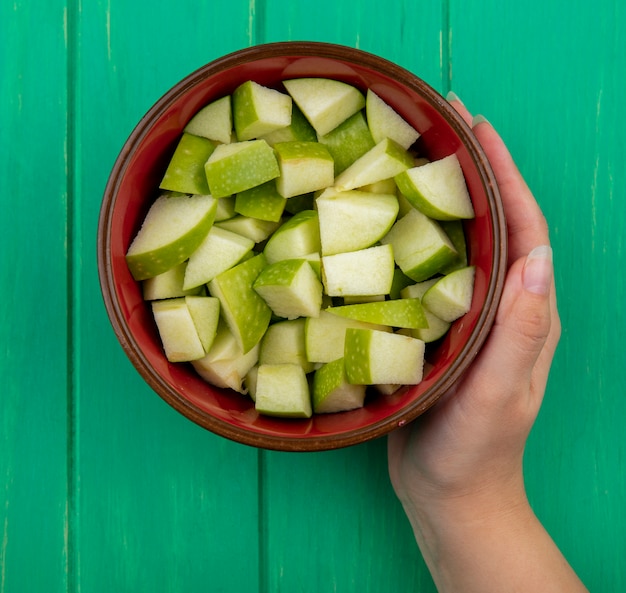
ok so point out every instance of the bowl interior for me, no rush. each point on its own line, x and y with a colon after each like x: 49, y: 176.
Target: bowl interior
x: 133, y: 185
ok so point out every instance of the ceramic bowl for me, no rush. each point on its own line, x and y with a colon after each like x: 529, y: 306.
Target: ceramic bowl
x: 133, y: 185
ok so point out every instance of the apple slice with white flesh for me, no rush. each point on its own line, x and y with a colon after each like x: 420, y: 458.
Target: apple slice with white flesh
x: 331, y: 391
x: 451, y: 296
x: 245, y: 312
x: 354, y: 220
x: 170, y: 233
x: 291, y: 288
x: 177, y: 330
x: 185, y: 171
x: 214, y: 121
x: 205, y: 313
x: 355, y: 273
x: 297, y: 237
x: 373, y: 357
x: 385, y: 122
x: 259, y: 110
x: 226, y: 365
x: 220, y: 251
x: 387, y: 159
x: 456, y: 234
x: 406, y: 313
x: 420, y: 246
x: 253, y: 228
x: 283, y: 390
x: 324, y: 336
x: 238, y: 166
x: 283, y: 343
x: 168, y: 285
x: 437, y: 328
x: 304, y: 167
x: 225, y: 209
x: 298, y: 129
x: 262, y: 202
x: 437, y: 189
x: 324, y: 102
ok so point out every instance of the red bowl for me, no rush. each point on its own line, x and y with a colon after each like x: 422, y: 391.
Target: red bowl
x: 133, y: 185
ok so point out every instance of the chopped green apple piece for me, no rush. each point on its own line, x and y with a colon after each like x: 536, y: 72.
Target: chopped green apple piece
x: 437, y: 328
x: 385, y: 122
x: 177, y: 330
x: 259, y: 110
x: 262, y: 202
x: 214, y: 121
x: 348, y: 141
x: 185, y: 172
x: 304, y: 167
x: 420, y: 246
x: 324, y: 102
x: 373, y: 357
x: 225, y: 208
x: 324, y: 336
x: 171, y: 231
x: 249, y: 382
x: 245, y: 312
x: 456, y: 234
x: 364, y: 272
x: 168, y: 285
x: 238, y: 166
x: 400, y: 281
x: 283, y: 343
x: 397, y: 313
x: 205, y: 312
x: 299, y: 129
x: 387, y: 159
x: 331, y: 391
x: 437, y: 189
x: 283, y: 390
x: 253, y: 228
x: 291, y: 288
x: 451, y: 296
x: 354, y: 220
x: 297, y: 237
x: 384, y: 186
x: 220, y: 251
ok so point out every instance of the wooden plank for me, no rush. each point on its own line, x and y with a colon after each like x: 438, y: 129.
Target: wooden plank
x: 34, y: 304
x: 161, y: 504
x: 550, y: 79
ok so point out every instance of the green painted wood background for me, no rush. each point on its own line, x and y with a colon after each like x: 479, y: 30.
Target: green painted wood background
x: 103, y: 487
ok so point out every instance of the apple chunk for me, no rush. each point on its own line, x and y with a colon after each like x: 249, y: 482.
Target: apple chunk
x: 177, y: 330
x: 407, y: 313
x: 304, y: 167
x: 331, y: 391
x: 214, y: 121
x: 283, y: 390
x: 385, y: 122
x: 451, y: 296
x: 259, y: 110
x: 185, y: 171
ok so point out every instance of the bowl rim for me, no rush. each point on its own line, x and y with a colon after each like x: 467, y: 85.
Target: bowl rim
x: 462, y: 360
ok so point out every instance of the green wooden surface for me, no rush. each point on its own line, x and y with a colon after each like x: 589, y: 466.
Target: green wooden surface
x: 103, y: 486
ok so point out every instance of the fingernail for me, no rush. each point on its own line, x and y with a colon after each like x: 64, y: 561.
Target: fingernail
x: 452, y: 96
x: 537, y: 274
x: 479, y: 119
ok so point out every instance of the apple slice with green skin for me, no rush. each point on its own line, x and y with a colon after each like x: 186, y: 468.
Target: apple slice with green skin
x: 205, y: 313
x: 245, y: 312
x: 349, y: 141
x: 331, y: 391
x: 437, y: 189
x: 262, y: 202
x: 238, y: 166
x: 456, y: 233
x: 373, y: 357
x: 325, y: 103
x: 304, y: 167
x: 249, y: 381
x: 451, y: 296
x: 420, y: 246
x: 168, y: 285
x: 225, y: 209
x: 437, y: 328
x: 354, y: 220
x: 299, y: 129
x: 214, y: 121
x: 220, y: 251
x: 386, y: 122
x: 259, y: 110
x: 185, y: 171
x: 364, y: 272
x: 177, y: 330
x: 283, y: 343
x: 283, y: 390
x: 324, y: 336
x: 297, y: 237
x: 406, y: 313
x: 291, y: 288
x: 387, y: 159
x: 253, y: 228
x: 226, y: 365
x: 170, y: 233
